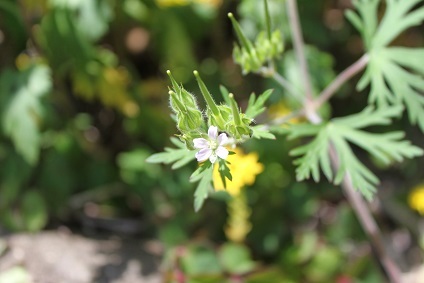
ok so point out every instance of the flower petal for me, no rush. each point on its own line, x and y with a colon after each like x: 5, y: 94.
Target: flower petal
x: 222, y: 139
x: 200, y: 143
x: 213, y: 158
x: 203, y: 154
x: 222, y: 152
x: 213, y: 132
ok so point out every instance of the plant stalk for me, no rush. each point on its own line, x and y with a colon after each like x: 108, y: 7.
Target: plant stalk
x: 299, y: 47
x: 343, y: 77
x: 356, y: 201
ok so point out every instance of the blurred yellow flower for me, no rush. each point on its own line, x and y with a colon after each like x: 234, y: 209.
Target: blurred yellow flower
x: 170, y: 3
x: 243, y: 167
x: 416, y: 199
x: 214, y: 3
x: 281, y: 110
x: 238, y: 223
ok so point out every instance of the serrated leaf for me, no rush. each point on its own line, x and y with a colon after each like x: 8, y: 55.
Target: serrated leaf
x: 20, y: 94
x: 338, y: 133
x: 398, y: 17
x: 198, y: 174
x: 259, y: 132
x: 370, y: 116
x: 257, y: 105
x: 392, y: 83
x: 203, y: 188
x: 178, y: 157
x: 395, y: 74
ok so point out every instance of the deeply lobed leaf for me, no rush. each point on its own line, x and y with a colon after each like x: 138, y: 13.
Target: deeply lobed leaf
x: 336, y: 135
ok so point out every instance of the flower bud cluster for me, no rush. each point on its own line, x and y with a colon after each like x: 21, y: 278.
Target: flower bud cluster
x: 251, y: 57
x: 191, y: 121
x: 189, y: 118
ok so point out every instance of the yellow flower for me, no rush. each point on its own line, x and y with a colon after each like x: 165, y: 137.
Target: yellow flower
x: 416, y: 199
x: 170, y: 3
x: 243, y: 168
x: 238, y: 224
x: 213, y: 3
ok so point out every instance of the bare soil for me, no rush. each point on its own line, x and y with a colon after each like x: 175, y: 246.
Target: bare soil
x: 61, y: 256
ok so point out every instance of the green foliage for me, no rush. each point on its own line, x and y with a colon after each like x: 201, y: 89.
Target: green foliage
x: 252, y: 57
x: 394, y: 73
x: 77, y: 137
x: 336, y: 136
x: 255, y: 105
x: 236, y: 259
x: 179, y: 156
x: 20, y: 96
x: 203, y: 175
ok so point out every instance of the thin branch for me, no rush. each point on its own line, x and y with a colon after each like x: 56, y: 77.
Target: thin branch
x: 343, y: 77
x: 367, y: 221
x: 297, y: 38
x: 355, y: 200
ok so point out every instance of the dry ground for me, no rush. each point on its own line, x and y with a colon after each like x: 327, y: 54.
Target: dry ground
x: 64, y: 257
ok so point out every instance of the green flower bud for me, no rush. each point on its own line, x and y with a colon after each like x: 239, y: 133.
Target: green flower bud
x: 267, y: 46
x: 235, y: 110
x: 189, y: 121
x: 215, y: 116
x: 188, y: 118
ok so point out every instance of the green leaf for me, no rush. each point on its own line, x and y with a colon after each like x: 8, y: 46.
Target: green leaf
x: 34, y: 211
x: 395, y: 74
x: 338, y: 133
x: 200, y: 261
x: 370, y: 116
x: 20, y: 96
x: 95, y: 14
x: 178, y: 156
x: 259, y: 132
x: 398, y: 17
x: 224, y: 172
x: 256, y: 105
x: 225, y: 94
x: 392, y: 81
x: 204, y: 186
x: 236, y: 259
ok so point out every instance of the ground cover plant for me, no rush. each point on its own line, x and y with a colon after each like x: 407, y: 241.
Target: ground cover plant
x: 290, y: 132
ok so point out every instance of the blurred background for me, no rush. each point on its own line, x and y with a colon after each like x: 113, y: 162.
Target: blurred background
x: 83, y: 103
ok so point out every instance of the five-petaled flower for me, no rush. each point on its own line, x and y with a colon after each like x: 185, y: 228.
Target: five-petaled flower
x: 211, y: 148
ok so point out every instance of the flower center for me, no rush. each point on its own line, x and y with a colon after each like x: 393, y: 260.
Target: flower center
x: 213, y: 145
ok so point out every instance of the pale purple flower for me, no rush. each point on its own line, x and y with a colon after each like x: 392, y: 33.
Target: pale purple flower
x: 211, y: 148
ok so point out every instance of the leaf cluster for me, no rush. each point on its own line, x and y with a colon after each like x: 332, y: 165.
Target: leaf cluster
x: 395, y: 74
x: 334, y: 139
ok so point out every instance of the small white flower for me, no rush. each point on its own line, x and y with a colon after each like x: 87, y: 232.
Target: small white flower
x: 211, y: 148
